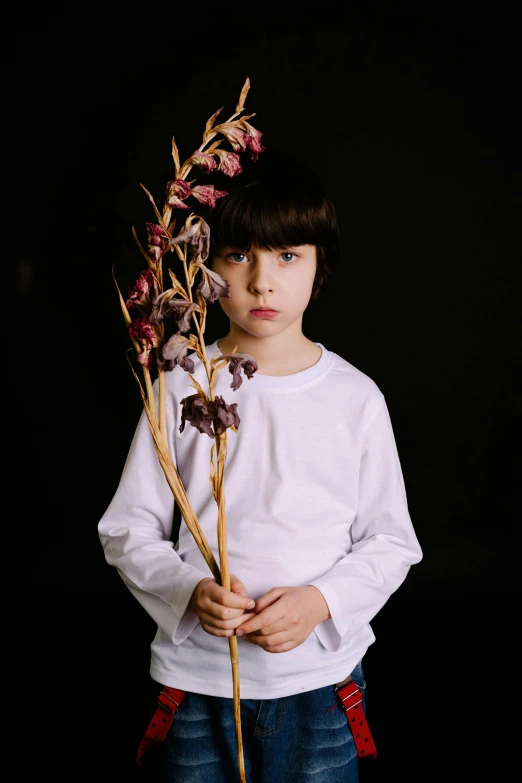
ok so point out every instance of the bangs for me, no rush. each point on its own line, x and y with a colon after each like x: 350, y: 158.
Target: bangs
x: 262, y: 220
x: 273, y: 206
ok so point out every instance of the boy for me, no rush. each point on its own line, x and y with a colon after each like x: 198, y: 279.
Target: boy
x: 319, y: 534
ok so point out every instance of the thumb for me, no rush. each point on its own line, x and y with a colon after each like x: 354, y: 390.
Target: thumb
x: 237, y: 586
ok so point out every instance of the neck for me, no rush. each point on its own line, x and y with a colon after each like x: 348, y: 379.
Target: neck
x: 272, y: 353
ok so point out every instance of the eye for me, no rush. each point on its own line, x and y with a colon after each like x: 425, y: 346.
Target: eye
x: 233, y: 257
x: 285, y: 258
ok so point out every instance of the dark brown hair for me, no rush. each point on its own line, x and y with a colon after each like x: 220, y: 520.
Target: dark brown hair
x: 277, y: 202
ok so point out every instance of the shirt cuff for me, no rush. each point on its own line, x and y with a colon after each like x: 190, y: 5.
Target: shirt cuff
x: 188, y: 618
x: 330, y: 632
x: 186, y: 625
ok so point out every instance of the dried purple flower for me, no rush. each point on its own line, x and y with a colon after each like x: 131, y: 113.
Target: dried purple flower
x: 140, y: 293
x: 197, y: 235
x: 158, y: 241
x: 212, y: 285
x: 212, y: 417
x: 238, y: 362
x: 182, y: 311
x: 253, y: 141
x: 224, y: 415
x: 207, y: 194
x: 230, y: 164
x: 195, y: 411
x: 235, y: 136
x: 175, y: 353
x: 205, y: 161
x: 160, y: 307
x: 177, y: 191
x: 141, y: 330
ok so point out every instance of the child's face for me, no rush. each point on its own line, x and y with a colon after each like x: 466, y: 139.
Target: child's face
x: 280, y: 279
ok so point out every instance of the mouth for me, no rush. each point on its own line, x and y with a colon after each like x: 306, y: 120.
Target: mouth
x: 264, y: 312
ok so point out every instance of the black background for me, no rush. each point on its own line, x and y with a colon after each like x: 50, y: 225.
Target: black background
x: 408, y: 112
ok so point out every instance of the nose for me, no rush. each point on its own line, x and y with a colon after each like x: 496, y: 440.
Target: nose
x: 260, y: 281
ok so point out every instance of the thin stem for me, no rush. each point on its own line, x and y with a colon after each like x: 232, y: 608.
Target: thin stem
x: 197, y: 323
x: 189, y: 287
x: 232, y: 643
x: 185, y: 170
x: 150, y: 389
x: 221, y: 450
x: 162, y: 402
x: 160, y: 331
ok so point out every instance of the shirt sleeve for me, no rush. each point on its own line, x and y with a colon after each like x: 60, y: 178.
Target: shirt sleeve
x: 135, y: 534
x: 383, y: 542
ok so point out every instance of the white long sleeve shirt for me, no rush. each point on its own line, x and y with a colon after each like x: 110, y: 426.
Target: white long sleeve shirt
x: 314, y: 495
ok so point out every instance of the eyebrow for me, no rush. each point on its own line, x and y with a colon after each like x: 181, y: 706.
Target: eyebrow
x: 239, y: 249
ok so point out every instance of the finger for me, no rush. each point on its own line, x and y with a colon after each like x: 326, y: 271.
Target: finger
x: 272, y: 614
x: 268, y: 598
x: 237, y: 586
x: 220, y: 612
x: 217, y: 631
x: 231, y: 599
x: 280, y: 625
x: 219, y: 596
x: 233, y: 623
x: 270, y: 642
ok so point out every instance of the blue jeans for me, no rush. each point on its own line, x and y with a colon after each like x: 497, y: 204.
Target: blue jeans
x: 303, y: 738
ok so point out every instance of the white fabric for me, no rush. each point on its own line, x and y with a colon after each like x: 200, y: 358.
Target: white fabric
x: 314, y: 496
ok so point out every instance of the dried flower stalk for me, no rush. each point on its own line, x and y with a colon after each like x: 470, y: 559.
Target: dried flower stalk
x: 147, y: 305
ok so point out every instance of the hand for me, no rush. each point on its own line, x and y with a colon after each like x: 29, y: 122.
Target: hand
x: 220, y: 611
x: 284, y: 618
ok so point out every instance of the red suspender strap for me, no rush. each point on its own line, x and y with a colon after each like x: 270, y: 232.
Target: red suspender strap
x: 168, y: 702
x: 351, y: 699
x: 349, y: 695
